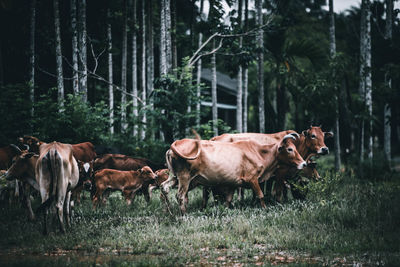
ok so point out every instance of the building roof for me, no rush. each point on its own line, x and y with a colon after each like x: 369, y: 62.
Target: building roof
x: 224, y: 82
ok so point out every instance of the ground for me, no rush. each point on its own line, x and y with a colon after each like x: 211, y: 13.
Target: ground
x: 345, y: 220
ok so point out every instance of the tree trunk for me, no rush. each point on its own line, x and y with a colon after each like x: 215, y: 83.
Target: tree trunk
x: 32, y: 55
x: 110, y: 72
x: 362, y: 72
x: 168, y: 45
x: 144, y: 97
x: 239, y: 94
x: 245, y: 72
x: 387, y: 112
x: 150, y: 57
x: 198, y: 81
x: 163, y: 57
x: 260, y: 67
x: 60, y: 78
x: 134, y: 70
x: 83, y: 49
x: 368, y: 81
x: 124, y: 124
x: 173, y: 35
x: 214, y: 91
x: 75, y: 75
x: 332, y: 41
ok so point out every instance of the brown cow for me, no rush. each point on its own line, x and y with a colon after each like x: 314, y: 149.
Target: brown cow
x: 126, y: 163
x: 242, y: 163
x: 7, y: 154
x: 129, y: 182
x: 23, y: 168
x: 57, y: 174
x: 32, y: 142
x: 84, y: 154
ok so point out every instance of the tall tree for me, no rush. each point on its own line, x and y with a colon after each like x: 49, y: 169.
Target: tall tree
x: 163, y: 34
x: 361, y: 89
x: 260, y: 67
x: 174, y: 51
x: 124, y: 124
x: 83, y: 48
x: 60, y: 77
x: 110, y: 71
x: 198, y: 92
x: 32, y: 54
x: 245, y: 71
x: 144, y: 97
x: 387, y: 113
x: 168, y: 42
x: 134, y: 69
x: 150, y: 56
x: 75, y: 75
x: 332, y: 41
x: 368, y: 78
x: 214, y: 90
x: 239, y: 93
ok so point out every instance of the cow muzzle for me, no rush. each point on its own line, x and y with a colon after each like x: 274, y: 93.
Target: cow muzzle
x: 301, y: 165
x: 323, y: 150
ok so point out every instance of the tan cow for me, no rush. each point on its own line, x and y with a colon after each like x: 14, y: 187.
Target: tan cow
x: 129, y: 182
x: 259, y: 137
x: 57, y: 174
x: 241, y: 163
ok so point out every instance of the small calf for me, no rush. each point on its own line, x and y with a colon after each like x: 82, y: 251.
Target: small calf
x: 129, y: 182
x: 162, y: 176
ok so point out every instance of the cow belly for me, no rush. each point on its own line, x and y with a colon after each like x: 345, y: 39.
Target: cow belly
x: 222, y: 170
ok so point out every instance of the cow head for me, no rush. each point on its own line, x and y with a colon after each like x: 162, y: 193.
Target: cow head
x: 310, y: 171
x: 21, y: 166
x: 85, y: 173
x: 147, y: 175
x: 315, y: 140
x: 288, y: 154
x: 32, y: 142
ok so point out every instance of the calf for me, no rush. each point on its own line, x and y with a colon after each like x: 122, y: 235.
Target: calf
x: 129, y: 182
x: 162, y: 176
x: 57, y: 174
x: 242, y: 163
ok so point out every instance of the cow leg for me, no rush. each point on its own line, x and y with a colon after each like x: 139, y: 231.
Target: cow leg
x: 229, y: 198
x: 105, y: 196
x: 206, y: 193
x: 67, y: 209
x: 45, y: 221
x: 60, y: 213
x: 27, y: 200
x: 257, y: 190
x: 97, y: 196
x: 151, y: 188
x: 240, y: 191
x: 184, y: 182
x: 146, y: 193
x: 279, y: 189
x: 165, y: 187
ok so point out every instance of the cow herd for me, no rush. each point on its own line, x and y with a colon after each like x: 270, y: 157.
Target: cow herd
x: 223, y: 165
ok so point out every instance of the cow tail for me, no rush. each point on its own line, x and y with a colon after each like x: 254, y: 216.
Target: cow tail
x: 53, y: 165
x: 198, y: 142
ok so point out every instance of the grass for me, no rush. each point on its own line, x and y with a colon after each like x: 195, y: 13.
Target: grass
x: 343, y: 219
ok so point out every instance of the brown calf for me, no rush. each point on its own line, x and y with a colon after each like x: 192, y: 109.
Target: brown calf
x: 129, y: 182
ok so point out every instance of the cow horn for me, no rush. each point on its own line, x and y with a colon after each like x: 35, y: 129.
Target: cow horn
x: 17, y: 149
x: 288, y: 136
x: 27, y: 147
x: 295, y: 135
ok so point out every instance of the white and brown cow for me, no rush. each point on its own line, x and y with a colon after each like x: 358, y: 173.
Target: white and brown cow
x: 242, y: 163
x: 57, y: 174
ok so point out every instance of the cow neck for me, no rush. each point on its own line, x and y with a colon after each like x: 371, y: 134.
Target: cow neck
x: 271, y: 162
x: 31, y: 178
x: 302, y: 147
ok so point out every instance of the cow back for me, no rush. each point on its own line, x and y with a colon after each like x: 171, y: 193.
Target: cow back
x: 84, y: 152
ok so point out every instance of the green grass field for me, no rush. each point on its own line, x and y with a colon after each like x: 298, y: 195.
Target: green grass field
x: 344, y: 220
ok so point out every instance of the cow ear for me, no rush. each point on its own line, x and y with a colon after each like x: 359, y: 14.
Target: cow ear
x: 328, y: 134
x: 305, y: 132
